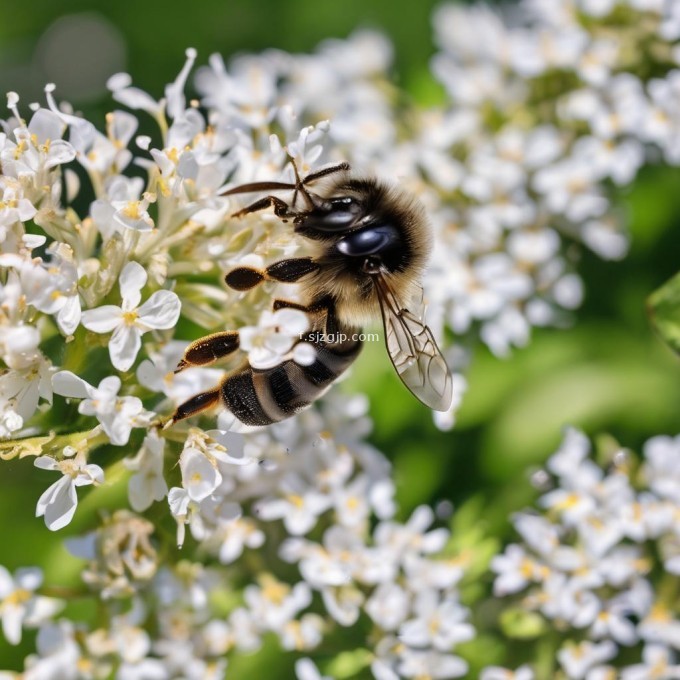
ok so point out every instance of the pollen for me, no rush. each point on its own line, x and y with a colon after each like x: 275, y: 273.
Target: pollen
x: 18, y: 597
x: 131, y: 210
x: 296, y: 500
x: 129, y: 318
x: 21, y: 147
x: 274, y: 590
x: 659, y: 613
x: 352, y: 503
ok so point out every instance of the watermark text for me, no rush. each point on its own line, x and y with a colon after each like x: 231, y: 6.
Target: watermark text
x: 334, y: 338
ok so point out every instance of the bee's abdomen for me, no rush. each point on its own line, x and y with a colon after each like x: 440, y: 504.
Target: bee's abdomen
x: 263, y: 397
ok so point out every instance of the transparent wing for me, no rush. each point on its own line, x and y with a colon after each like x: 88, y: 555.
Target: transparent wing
x: 413, y: 350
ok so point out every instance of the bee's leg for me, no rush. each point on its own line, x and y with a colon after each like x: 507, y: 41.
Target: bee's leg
x: 284, y: 271
x: 281, y: 208
x: 197, y: 403
x: 205, y: 350
x: 287, y: 304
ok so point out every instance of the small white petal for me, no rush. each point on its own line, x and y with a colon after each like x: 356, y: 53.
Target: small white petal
x: 124, y: 347
x: 70, y: 385
x: 29, y: 578
x: 304, y: 354
x: 160, y: 311
x: 102, y: 319
x: 132, y: 279
x: 58, y: 504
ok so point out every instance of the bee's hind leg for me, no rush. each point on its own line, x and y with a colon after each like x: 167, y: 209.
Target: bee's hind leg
x: 206, y: 350
x: 283, y: 271
x: 197, y: 403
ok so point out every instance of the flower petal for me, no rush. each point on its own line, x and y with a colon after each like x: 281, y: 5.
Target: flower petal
x: 58, y: 504
x: 160, y: 311
x: 132, y: 279
x: 70, y: 385
x: 69, y: 315
x: 124, y: 346
x: 102, y: 319
x: 29, y: 578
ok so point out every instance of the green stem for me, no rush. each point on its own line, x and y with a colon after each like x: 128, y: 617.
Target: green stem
x: 51, y: 444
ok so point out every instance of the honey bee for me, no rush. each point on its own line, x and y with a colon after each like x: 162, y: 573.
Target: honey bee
x: 369, y: 244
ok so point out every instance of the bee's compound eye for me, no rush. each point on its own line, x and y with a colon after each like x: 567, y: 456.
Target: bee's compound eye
x: 339, y: 215
x: 369, y: 241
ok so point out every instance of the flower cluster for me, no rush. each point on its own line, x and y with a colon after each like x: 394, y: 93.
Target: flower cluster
x: 586, y: 559
x: 546, y: 111
x: 398, y: 575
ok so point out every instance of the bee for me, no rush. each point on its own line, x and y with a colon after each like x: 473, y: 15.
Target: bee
x: 369, y: 244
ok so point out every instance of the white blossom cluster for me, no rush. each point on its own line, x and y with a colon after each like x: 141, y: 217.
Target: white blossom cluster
x: 549, y: 106
x: 323, y: 488
x: 599, y: 560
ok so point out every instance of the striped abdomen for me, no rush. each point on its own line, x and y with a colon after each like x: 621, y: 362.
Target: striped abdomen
x: 263, y: 397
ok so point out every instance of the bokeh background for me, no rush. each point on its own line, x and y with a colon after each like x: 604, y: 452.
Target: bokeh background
x: 606, y: 373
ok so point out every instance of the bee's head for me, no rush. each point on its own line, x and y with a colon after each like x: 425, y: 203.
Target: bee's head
x: 365, y: 241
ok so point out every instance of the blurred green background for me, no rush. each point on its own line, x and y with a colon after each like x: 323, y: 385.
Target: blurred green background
x: 606, y: 373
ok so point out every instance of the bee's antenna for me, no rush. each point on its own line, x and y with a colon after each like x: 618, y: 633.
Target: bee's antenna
x: 300, y: 186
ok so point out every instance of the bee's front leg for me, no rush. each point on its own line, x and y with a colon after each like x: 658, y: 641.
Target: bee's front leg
x: 281, y: 208
x: 206, y: 350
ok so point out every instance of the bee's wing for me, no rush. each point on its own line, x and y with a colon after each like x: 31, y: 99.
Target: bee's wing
x: 413, y: 350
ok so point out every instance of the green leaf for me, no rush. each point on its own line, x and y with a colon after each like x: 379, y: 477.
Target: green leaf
x: 348, y: 664
x: 520, y: 624
x: 664, y: 310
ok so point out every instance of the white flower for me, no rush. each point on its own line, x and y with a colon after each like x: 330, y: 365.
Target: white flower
x: 273, y: 603
x: 299, y: 508
x: 416, y: 663
x: 38, y: 147
x: 19, y: 605
x: 498, y: 673
x: 305, y: 633
x: 439, y: 623
x: 133, y: 214
x: 343, y: 603
x: 200, y: 476
x: 130, y: 321
x: 183, y: 509
x: 53, y: 288
x: 237, y: 534
x: 656, y: 663
x: 21, y: 390
x: 147, y: 484
x: 117, y: 415
x: 58, y: 503
x: 388, y: 606
x: 576, y: 660
x: 269, y: 342
x: 306, y: 670
x: 107, y: 212
x: 58, y: 653
x: 156, y: 373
